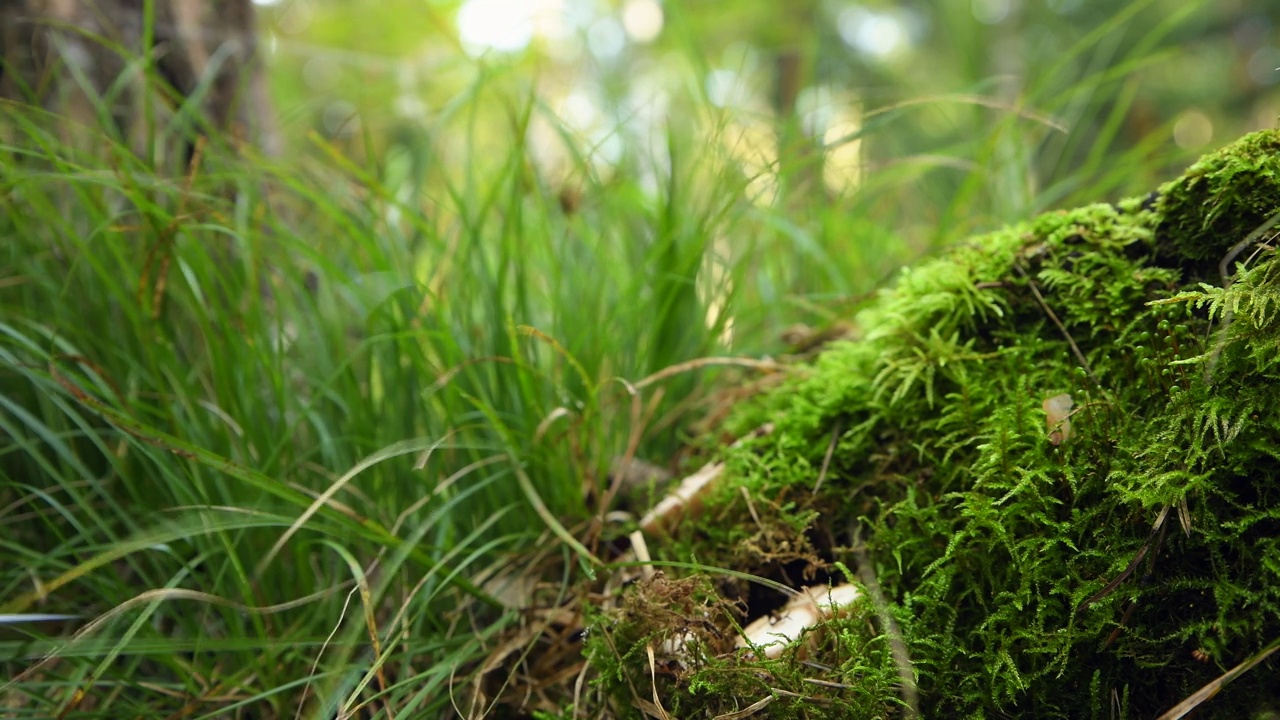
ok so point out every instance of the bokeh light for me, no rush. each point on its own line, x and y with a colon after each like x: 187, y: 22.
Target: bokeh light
x: 878, y: 34
x: 1192, y: 130
x: 991, y: 12
x: 502, y: 25
x: 642, y: 19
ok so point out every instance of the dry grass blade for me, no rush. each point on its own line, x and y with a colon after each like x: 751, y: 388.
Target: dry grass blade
x: 685, y: 499
x: 1053, y: 317
x: 640, y: 419
x: 1225, y: 264
x: 547, y: 421
x: 663, y: 374
x: 540, y: 507
x: 640, y: 548
x: 1208, y: 691
x: 682, y: 501
x: 653, y: 680
x: 908, y: 689
x: 980, y: 100
x: 1184, y: 515
x: 315, y: 663
x: 400, y: 448
x: 747, y: 711
x: 1224, y: 267
x: 826, y: 459
x: 1133, y: 564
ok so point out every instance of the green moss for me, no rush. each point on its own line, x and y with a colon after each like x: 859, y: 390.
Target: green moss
x: 1203, y: 212
x: 993, y: 544
x: 699, y: 672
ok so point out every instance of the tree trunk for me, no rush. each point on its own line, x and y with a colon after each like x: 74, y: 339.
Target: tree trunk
x: 82, y: 58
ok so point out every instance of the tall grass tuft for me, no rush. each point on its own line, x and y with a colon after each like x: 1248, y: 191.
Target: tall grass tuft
x: 269, y: 425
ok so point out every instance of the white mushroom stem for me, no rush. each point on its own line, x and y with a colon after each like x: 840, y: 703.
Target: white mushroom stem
x: 773, y: 633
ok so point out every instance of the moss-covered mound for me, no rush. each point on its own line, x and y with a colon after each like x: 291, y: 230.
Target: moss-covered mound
x: 1102, y: 562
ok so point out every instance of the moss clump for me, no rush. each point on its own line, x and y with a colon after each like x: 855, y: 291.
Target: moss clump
x: 698, y: 671
x: 1120, y: 569
x: 1204, y: 211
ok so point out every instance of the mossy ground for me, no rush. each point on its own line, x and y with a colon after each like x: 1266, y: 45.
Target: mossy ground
x: 1108, y: 575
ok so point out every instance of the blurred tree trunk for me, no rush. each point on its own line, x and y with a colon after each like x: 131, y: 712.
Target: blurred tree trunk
x: 82, y: 58
x: 801, y: 154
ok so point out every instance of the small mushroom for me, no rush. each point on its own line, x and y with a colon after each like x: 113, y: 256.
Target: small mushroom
x: 1057, y: 415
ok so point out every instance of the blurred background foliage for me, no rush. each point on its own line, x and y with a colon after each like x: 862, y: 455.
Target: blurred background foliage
x: 865, y: 134
x: 1090, y: 78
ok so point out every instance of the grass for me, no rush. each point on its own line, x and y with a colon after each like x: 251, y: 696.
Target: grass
x: 268, y: 425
